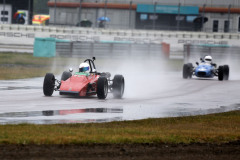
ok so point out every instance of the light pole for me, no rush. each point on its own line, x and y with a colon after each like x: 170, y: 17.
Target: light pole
x: 178, y: 16
x: 154, y: 15
x: 55, y: 5
x: 96, y: 23
x: 105, y: 9
x: 203, y: 16
x: 4, y: 11
x: 29, y: 12
x: 130, y: 14
x: 228, y: 22
x: 79, y: 11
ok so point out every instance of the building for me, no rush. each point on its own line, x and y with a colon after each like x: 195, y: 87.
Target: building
x: 187, y: 15
x: 9, y: 8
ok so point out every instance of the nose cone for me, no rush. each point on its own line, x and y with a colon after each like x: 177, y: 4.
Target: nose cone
x: 74, y: 84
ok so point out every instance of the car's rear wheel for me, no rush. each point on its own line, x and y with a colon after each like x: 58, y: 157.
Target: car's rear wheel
x: 220, y: 73
x: 102, y: 87
x: 48, y: 84
x: 187, y: 70
x: 118, y: 86
x: 225, y: 72
x: 66, y: 75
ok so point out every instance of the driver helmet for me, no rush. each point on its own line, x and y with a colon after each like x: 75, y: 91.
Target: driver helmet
x: 84, y: 67
x: 208, y: 59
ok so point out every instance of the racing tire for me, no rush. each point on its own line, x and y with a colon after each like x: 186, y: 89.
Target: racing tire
x: 102, y: 87
x: 66, y: 75
x: 190, y: 66
x: 225, y: 72
x: 48, y: 84
x: 118, y: 86
x: 220, y: 73
x: 187, y: 70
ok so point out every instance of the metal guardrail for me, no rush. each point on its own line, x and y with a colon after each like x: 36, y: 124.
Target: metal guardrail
x: 20, y: 48
x: 88, y: 49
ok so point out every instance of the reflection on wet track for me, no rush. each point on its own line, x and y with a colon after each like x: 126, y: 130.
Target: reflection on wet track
x: 15, y: 117
x: 61, y: 112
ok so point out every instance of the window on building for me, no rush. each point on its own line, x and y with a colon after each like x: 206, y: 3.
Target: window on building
x: 4, y: 19
x: 4, y: 12
x: 143, y: 16
x: 226, y: 26
x: 215, y: 26
x: 190, y: 18
x: 238, y: 24
x: 153, y: 17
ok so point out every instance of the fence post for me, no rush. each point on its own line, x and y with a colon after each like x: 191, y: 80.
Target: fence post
x: 79, y: 12
x: 228, y: 23
x: 130, y: 14
x: 96, y: 21
x: 105, y: 8
x: 203, y: 16
x: 55, y: 5
x: 4, y: 11
x: 154, y: 15
x: 178, y: 16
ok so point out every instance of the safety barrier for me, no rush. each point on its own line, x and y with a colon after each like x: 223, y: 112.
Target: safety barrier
x: 110, y: 32
x: 108, y: 49
x: 20, y: 48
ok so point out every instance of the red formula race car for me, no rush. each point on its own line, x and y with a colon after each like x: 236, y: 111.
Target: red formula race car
x: 86, y: 82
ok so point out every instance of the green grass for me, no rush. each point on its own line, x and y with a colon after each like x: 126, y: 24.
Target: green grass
x: 214, y: 128
x: 24, y: 65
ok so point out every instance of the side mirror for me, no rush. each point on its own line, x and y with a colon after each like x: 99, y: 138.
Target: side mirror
x: 70, y: 70
x: 93, y: 58
x: 201, y: 59
x: 197, y: 63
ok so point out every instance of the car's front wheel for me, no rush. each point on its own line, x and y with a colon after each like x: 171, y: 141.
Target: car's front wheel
x: 102, y: 87
x: 118, y: 86
x: 48, y: 84
x: 220, y: 73
x: 225, y: 72
x: 187, y: 70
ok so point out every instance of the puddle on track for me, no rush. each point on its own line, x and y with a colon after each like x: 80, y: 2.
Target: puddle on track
x: 101, y: 115
x: 28, y: 117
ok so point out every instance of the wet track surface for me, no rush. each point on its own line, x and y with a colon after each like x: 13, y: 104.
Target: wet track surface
x: 22, y: 101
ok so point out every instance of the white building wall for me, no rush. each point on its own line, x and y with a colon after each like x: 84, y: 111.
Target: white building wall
x: 8, y: 17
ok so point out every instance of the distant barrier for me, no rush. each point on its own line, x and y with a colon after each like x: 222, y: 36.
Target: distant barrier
x: 25, y: 35
x: 220, y: 53
x: 111, y: 32
x: 88, y: 49
x: 18, y: 48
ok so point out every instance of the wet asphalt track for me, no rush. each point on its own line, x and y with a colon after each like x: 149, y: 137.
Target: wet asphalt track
x: 22, y: 101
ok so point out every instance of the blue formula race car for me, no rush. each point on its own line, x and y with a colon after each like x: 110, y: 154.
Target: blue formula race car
x: 206, y: 69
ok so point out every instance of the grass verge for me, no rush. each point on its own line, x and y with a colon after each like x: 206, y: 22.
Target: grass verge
x: 214, y: 128
x: 24, y: 65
